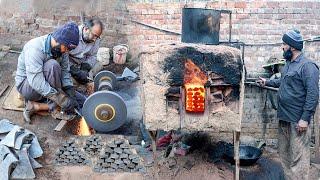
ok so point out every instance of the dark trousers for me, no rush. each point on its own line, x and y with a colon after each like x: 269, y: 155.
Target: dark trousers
x: 52, y: 74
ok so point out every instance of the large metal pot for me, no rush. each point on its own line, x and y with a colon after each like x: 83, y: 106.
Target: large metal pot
x: 248, y: 155
x: 200, y: 25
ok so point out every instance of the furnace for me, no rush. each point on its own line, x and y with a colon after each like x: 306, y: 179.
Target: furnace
x: 192, y: 87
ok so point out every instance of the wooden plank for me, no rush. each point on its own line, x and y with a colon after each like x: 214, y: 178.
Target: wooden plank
x: 61, y: 125
x: 11, y: 100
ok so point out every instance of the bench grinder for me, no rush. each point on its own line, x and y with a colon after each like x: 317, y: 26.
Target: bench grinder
x: 104, y: 110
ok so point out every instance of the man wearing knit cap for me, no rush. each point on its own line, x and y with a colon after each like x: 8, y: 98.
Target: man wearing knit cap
x: 297, y: 100
x: 43, y: 77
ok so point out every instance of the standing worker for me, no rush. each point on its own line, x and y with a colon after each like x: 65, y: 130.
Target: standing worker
x: 297, y: 100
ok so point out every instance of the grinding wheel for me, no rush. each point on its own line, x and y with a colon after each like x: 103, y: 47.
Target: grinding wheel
x: 104, y: 80
x: 104, y: 111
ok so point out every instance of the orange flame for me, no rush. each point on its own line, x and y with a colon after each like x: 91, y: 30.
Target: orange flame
x: 194, y: 80
x: 193, y: 74
x: 84, y: 129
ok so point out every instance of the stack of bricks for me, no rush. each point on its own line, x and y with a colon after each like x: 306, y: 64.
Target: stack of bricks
x: 69, y: 154
x: 118, y: 156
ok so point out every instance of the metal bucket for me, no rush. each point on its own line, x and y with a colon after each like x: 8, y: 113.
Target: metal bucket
x: 120, y: 53
x: 200, y: 25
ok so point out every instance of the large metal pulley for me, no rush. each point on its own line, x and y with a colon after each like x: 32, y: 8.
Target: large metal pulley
x: 104, y: 110
x: 104, y: 80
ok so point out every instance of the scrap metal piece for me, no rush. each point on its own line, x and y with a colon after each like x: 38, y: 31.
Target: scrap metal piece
x: 6, y: 165
x: 6, y: 126
x: 24, y: 168
x: 104, y: 111
x: 4, y: 151
x: 35, y: 149
x: 61, y: 125
x: 10, y: 139
x: 34, y: 163
x: 22, y: 138
x: 127, y: 75
x: 2, y: 136
x: 27, y: 146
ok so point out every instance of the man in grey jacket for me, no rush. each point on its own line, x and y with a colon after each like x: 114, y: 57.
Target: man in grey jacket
x: 297, y: 100
x: 83, y: 58
x: 43, y: 77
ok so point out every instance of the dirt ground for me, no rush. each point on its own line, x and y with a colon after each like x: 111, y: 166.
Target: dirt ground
x: 194, y: 166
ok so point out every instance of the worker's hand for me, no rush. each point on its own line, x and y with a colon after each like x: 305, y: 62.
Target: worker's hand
x: 85, y: 67
x: 90, y: 88
x: 302, y: 125
x: 62, y: 100
x: 261, y: 81
x: 79, y: 75
x: 71, y: 93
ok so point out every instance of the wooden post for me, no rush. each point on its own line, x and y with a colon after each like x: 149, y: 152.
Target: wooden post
x: 153, y: 136
x: 236, y: 144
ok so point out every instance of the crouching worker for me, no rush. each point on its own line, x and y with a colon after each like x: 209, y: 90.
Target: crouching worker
x: 43, y: 77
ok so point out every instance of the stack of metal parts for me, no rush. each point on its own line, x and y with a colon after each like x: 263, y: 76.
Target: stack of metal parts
x: 70, y: 154
x: 93, y: 145
x: 118, y: 156
x: 18, y: 149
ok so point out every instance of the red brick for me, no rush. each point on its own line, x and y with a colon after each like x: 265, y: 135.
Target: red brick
x: 272, y: 4
x: 240, y: 5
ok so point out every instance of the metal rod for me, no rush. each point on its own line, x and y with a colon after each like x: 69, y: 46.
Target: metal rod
x: 78, y: 112
x: 157, y: 28
x: 230, y: 27
x: 264, y: 87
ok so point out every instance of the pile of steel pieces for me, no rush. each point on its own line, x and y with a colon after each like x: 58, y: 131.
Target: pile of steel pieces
x: 118, y: 156
x: 93, y: 145
x: 70, y: 154
x: 18, y: 149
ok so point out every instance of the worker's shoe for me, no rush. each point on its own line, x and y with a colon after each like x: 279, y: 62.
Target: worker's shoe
x: 28, y: 111
x: 57, y: 114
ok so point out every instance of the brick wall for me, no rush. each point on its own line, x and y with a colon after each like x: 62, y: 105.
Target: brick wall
x: 253, y: 22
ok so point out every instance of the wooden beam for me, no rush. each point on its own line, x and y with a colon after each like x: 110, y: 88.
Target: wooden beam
x: 153, y: 137
x: 236, y: 144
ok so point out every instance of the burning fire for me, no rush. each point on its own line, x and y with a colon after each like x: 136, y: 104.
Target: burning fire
x: 84, y: 129
x: 194, y: 80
